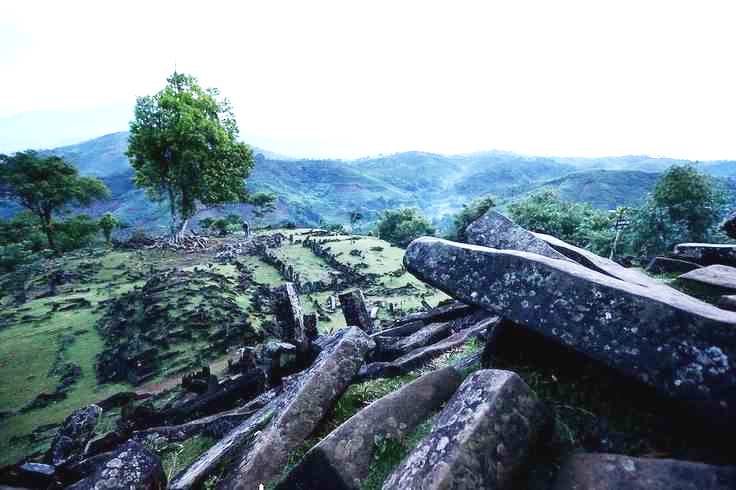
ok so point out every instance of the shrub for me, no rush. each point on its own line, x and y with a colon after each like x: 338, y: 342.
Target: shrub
x: 401, y: 226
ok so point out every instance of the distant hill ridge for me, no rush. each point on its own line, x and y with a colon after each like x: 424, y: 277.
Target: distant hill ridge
x: 310, y: 190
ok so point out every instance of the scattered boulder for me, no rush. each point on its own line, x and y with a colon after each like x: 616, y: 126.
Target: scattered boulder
x: 706, y: 253
x: 718, y: 276
x: 729, y: 225
x: 342, y: 459
x: 495, y: 230
x: 307, y: 399
x: 443, y: 313
x: 668, y: 265
x: 130, y: 466
x: 727, y: 302
x: 683, y: 347
x: 427, y: 335
x: 616, y: 472
x: 73, y: 436
x: 480, y: 440
x: 29, y: 475
x: 355, y: 311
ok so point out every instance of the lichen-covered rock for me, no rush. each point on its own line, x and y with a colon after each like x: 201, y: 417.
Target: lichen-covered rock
x: 616, y: 472
x: 480, y: 440
x: 729, y: 225
x: 342, y: 459
x: 597, y: 263
x: 308, y: 397
x: 706, y: 253
x: 73, y: 436
x: 131, y: 466
x: 683, y: 347
x: 718, y: 276
x: 495, y: 230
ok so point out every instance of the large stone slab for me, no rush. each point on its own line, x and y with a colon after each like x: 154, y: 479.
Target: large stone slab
x: 707, y: 253
x: 480, y: 440
x: 719, y: 276
x: 668, y: 265
x: 727, y: 302
x: 729, y: 225
x: 616, y: 472
x: 495, y: 230
x: 598, y: 263
x: 289, y: 316
x: 309, y: 397
x: 342, y: 459
x: 683, y: 347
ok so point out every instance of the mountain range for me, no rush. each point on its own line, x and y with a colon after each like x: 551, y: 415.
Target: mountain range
x: 310, y: 191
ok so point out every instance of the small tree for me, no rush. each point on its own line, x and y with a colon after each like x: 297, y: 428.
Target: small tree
x: 46, y: 186
x: 107, y: 224
x: 184, y: 149
x: 691, y: 199
x: 401, y: 226
x: 468, y: 214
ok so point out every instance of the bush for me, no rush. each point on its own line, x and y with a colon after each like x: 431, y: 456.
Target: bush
x: 468, y: 214
x: 401, y: 226
x: 577, y: 223
x: 76, y: 232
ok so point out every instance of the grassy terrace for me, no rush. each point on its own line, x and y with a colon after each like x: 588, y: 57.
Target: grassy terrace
x: 34, y: 336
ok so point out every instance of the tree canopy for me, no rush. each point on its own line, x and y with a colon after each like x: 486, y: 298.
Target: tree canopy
x: 46, y: 186
x: 401, y: 226
x: 184, y: 149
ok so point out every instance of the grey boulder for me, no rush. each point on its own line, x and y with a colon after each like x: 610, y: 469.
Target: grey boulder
x: 706, y: 253
x: 342, y: 459
x: 615, y: 472
x: 131, y: 466
x: 75, y: 432
x: 681, y: 346
x: 717, y: 276
x: 481, y: 439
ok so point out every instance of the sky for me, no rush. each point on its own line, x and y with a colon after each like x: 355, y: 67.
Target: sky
x: 349, y: 79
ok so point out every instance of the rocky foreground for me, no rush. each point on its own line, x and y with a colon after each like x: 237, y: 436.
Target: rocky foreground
x: 483, y: 425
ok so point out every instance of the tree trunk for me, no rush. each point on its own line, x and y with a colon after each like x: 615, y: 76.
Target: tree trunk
x: 46, y: 225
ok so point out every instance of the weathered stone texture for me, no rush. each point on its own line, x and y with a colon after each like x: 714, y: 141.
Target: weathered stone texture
x: 480, y: 440
x: 131, y: 466
x: 355, y: 311
x: 73, y: 436
x: 682, y: 346
x: 289, y: 315
x: 668, y: 265
x: 719, y: 276
x: 342, y: 459
x: 495, y: 230
x: 616, y: 472
x: 309, y: 397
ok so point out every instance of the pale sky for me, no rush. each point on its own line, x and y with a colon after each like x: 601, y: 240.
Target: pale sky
x: 349, y: 79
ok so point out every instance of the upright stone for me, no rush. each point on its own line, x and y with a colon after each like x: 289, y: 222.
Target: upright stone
x: 342, y: 459
x: 616, y: 472
x: 495, y: 230
x: 310, y: 326
x: 681, y: 346
x: 289, y: 316
x: 308, y: 397
x: 355, y: 311
x: 481, y: 439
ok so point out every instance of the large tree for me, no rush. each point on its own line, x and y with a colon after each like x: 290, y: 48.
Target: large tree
x: 47, y: 186
x: 184, y: 149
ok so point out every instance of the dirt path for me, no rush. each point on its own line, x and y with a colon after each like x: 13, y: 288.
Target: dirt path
x: 154, y: 387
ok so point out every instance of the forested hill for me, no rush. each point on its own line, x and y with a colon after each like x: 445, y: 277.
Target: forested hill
x: 314, y: 190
